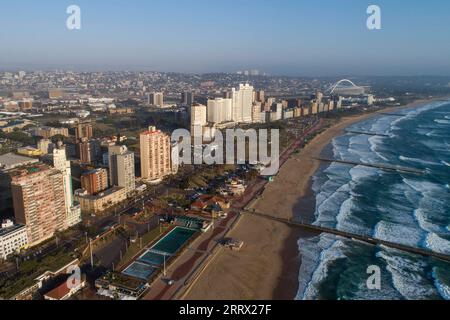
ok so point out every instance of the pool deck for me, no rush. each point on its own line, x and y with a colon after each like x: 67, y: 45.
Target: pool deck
x: 182, y: 269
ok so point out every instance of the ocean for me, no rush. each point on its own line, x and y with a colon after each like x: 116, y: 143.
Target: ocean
x: 404, y: 208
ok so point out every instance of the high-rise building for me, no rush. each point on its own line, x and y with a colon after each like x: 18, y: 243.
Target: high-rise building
x: 187, y: 98
x: 260, y: 96
x: 256, y: 112
x: 242, y: 103
x: 39, y: 201
x: 156, y: 99
x: 121, y: 168
x: 95, y: 181
x: 319, y: 97
x: 155, y: 155
x: 46, y: 146
x: 60, y: 162
x: 220, y: 110
x: 89, y: 151
x: 198, y: 116
x: 84, y: 130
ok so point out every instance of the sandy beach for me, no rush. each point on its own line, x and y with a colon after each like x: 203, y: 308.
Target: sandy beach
x: 267, y: 266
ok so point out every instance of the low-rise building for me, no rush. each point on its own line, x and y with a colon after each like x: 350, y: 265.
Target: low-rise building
x: 65, y: 291
x: 29, y: 151
x: 93, y: 204
x: 11, y: 161
x: 13, y: 238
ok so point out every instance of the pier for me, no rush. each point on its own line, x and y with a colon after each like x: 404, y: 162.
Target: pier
x: 385, y: 167
x: 354, y: 237
x: 392, y: 114
x: 367, y: 133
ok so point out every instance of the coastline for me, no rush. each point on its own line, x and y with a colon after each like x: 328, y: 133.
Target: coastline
x: 269, y: 264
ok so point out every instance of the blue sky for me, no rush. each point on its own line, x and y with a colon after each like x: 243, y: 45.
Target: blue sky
x: 294, y: 37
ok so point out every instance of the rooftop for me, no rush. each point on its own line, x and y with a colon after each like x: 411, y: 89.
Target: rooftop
x: 4, y: 231
x: 11, y: 160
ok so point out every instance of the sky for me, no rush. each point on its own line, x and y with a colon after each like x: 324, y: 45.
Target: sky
x: 282, y: 37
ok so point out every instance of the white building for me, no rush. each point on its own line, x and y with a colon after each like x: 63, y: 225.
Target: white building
x: 12, y: 238
x: 220, y: 110
x: 256, y: 113
x: 242, y: 100
x: 156, y: 99
x: 198, y: 116
x: 60, y: 162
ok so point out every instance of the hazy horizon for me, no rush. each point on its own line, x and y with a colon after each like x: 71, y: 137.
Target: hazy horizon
x: 288, y: 37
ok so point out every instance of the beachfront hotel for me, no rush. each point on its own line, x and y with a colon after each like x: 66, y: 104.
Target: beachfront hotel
x: 39, y: 201
x: 155, y: 155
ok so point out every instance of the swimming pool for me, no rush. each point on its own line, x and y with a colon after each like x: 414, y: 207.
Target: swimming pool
x: 139, y: 270
x: 153, y: 258
x: 174, y: 240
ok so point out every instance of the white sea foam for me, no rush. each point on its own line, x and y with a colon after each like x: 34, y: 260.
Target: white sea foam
x: 327, y: 257
x: 417, y: 160
x: 398, y: 233
x: 438, y: 244
x: 312, y: 252
x: 443, y: 289
x: 424, y: 222
x: 408, y: 275
x: 440, y: 121
x: 375, y: 142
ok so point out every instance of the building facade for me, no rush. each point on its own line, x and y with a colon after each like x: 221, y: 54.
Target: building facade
x: 39, y: 201
x: 155, y: 155
x: 61, y: 163
x: 13, y: 238
x: 121, y: 168
x: 94, y: 204
x: 95, y: 181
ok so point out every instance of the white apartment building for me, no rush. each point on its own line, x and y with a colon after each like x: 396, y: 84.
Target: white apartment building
x: 198, y: 116
x: 242, y: 101
x: 60, y: 162
x: 12, y: 238
x: 155, y: 155
x: 220, y: 110
x: 156, y: 99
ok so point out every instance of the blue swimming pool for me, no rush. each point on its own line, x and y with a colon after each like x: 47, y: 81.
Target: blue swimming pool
x: 139, y: 270
x: 174, y: 240
x: 153, y: 258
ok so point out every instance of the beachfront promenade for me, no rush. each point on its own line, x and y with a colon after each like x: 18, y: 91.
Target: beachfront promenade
x: 352, y: 236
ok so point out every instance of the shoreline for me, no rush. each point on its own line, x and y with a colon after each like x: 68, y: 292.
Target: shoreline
x: 269, y: 264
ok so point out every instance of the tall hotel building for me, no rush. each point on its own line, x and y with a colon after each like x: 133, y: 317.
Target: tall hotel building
x: 121, y: 168
x: 73, y: 212
x: 84, y: 130
x: 156, y: 99
x: 39, y: 201
x: 198, y: 117
x: 242, y: 100
x: 155, y: 155
x: 220, y: 110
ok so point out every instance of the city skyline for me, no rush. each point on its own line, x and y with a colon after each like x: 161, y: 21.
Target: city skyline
x: 293, y: 38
